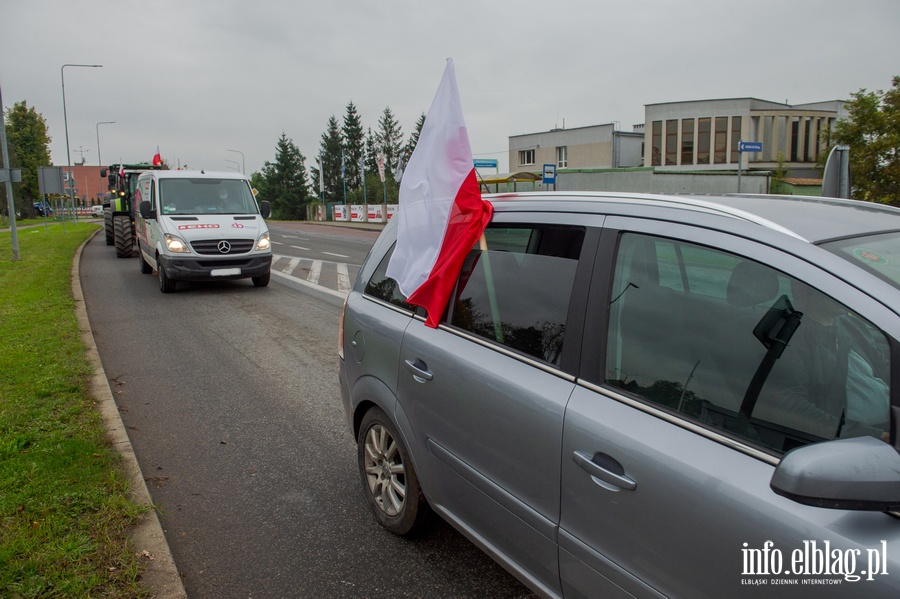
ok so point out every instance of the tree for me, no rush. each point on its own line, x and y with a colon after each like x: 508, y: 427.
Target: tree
x: 29, y: 147
x: 872, y: 130
x: 284, y: 184
x: 390, y: 140
x: 330, y: 163
x: 352, y: 132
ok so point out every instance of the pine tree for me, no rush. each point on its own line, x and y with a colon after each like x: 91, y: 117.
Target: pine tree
x: 284, y: 182
x: 330, y: 162
x: 352, y: 132
x: 390, y: 139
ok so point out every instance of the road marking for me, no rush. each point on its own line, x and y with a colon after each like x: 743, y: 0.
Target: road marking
x: 343, y: 279
x: 335, y: 255
x: 276, y: 242
x: 315, y: 272
x: 292, y: 264
x: 297, y: 247
x: 308, y: 284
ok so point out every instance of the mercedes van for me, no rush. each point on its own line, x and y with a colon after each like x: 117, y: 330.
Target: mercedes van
x: 201, y: 226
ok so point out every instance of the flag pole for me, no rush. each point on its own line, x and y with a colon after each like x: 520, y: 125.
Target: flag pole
x: 492, y: 293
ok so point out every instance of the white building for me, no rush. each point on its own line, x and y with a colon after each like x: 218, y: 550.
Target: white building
x: 704, y: 134
x: 596, y: 146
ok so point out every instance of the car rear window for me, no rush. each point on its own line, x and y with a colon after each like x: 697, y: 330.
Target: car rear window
x: 879, y: 254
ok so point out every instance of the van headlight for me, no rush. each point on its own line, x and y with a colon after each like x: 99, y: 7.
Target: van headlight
x: 176, y: 245
x: 263, y: 242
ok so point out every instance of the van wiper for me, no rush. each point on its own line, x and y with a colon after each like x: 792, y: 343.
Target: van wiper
x: 774, y: 330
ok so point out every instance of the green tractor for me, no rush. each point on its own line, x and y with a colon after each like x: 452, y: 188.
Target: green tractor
x: 118, y: 210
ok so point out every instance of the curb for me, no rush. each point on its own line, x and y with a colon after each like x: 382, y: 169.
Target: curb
x: 160, y: 576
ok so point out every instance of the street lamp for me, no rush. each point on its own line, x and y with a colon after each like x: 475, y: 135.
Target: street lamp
x: 62, y: 75
x: 98, y: 139
x: 243, y: 170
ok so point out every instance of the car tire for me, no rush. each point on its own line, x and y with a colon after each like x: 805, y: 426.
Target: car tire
x: 146, y: 269
x: 262, y: 280
x: 388, y: 478
x: 166, y: 285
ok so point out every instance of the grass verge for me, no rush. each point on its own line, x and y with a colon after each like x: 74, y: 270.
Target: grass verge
x: 64, y: 504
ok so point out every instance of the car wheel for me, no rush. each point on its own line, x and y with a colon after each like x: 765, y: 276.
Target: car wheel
x: 166, y: 285
x: 262, y: 280
x: 389, y: 480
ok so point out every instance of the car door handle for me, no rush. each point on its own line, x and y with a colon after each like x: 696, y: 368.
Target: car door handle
x: 608, y: 470
x: 419, y: 370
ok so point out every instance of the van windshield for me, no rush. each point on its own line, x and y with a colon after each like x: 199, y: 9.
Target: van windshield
x: 206, y: 196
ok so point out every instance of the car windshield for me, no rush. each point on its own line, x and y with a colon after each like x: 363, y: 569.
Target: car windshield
x: 879, y: 254
x: 206, y: 196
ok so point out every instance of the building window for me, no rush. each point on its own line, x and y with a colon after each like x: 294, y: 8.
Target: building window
x: 672, y: 141
x: 562, y: 156
x: 735, y: 137
x: 656, y: 144
x: 795, y: 138
x: 687, y: 141
x: 703, y: 131
x: 721, y: 151
x: 526, y: 157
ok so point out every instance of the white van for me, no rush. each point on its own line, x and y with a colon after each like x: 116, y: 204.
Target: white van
x: 201, y: 226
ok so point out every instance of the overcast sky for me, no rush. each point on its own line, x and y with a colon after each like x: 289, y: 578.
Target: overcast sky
x: 200, y: 77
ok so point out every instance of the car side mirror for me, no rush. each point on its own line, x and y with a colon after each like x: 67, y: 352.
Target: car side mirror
x: 103, y: 173
x: 265, y: 209
x: 144, y: 209
x: 862, y: 473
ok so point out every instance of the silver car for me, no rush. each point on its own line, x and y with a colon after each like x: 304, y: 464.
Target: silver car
x: 634, y: 395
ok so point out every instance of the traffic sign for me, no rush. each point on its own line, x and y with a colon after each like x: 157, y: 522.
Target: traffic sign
x: 750, y: 146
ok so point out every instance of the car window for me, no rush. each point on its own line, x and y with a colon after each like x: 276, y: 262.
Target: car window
x: 515, y: 287
x: 742, y: 347
x: 385, y: 288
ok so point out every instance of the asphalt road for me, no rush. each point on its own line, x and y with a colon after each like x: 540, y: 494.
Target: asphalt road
x: 230, y: 397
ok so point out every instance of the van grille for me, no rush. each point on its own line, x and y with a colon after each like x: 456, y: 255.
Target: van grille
x: 214, y: 247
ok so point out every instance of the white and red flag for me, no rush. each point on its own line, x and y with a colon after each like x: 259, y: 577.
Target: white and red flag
x: 157, y: 159
x: 441, y: 213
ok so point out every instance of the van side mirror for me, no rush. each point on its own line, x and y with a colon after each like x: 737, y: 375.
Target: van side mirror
x: 265, y: 209
x: 144, y: 209
x: 861, y: 473
x: 103, y: 173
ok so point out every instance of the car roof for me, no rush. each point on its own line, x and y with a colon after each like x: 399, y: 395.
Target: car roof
x: 811, y: 219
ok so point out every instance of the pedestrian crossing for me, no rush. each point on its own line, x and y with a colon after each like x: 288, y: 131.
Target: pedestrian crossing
x: 334, y: 278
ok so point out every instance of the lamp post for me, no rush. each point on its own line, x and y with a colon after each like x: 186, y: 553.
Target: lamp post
x: 62, y: 75
x: 243, y: 170
x: 98, y: 139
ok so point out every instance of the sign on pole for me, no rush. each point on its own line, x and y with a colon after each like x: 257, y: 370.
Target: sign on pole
x: 750, y: 146
x: 549, y: 174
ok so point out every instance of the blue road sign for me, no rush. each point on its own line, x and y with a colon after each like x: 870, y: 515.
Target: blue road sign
x: 750, y: 146
x: 485, y: 163
x: 549, y: 174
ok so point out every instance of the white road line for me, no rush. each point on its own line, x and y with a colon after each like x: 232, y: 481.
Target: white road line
x: 292, y: 264
x: 297, y: 247
x: 343, y: 279
x: 276, y: 242
x: 335, y: 255
x: 308, y: 284
x: 314, y: 272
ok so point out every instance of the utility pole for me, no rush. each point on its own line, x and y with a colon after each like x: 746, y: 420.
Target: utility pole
x: 7, y: 175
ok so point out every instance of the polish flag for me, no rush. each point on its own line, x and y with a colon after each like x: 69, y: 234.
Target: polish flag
x: 441, y: 213
x: 157, y: 159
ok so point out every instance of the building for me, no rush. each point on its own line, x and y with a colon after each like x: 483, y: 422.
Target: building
x: 704, y: 134
x: 90, y: 187
x: 596, y: 146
